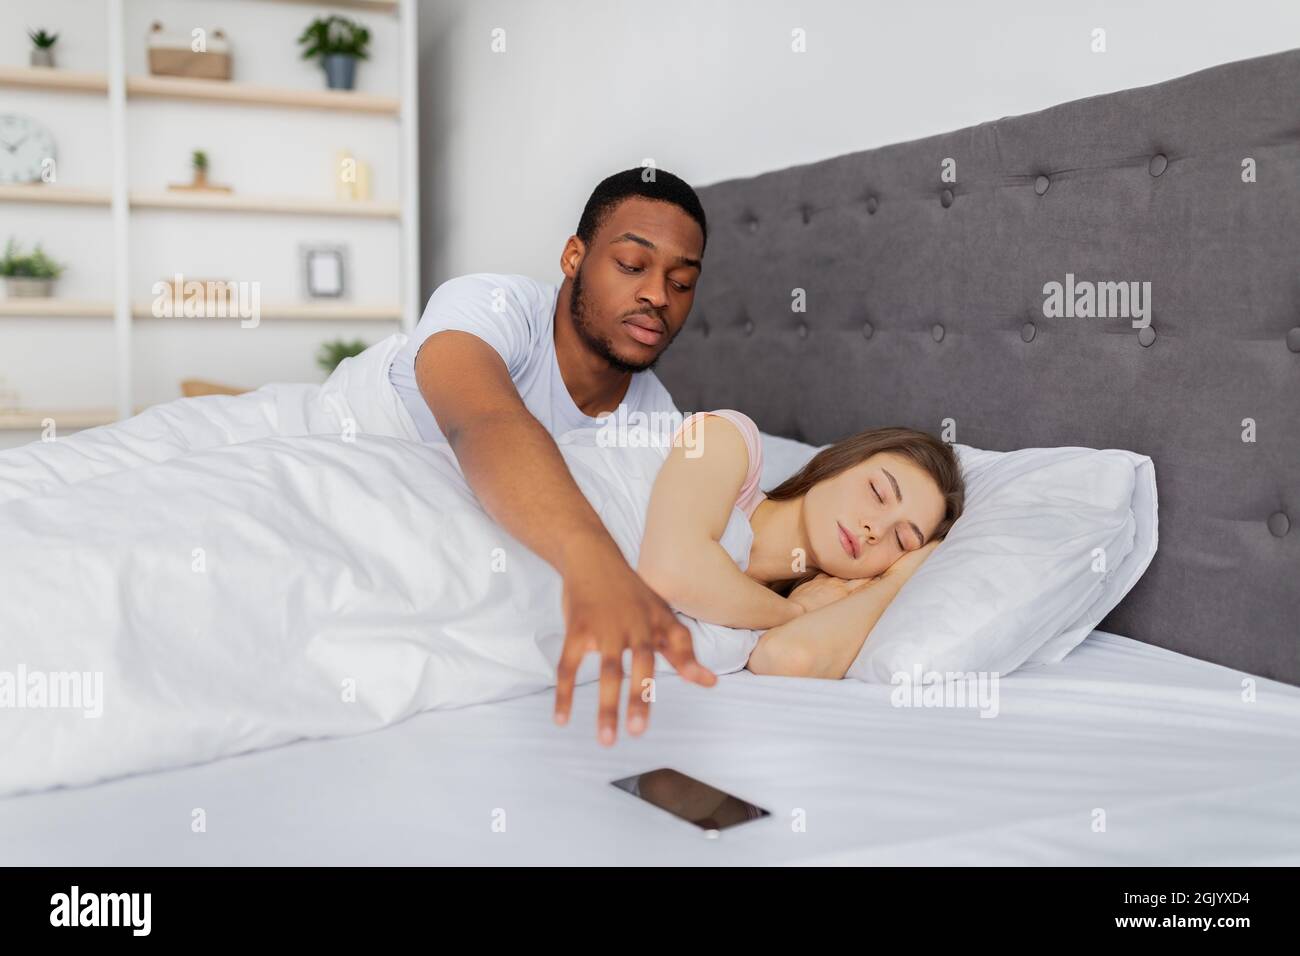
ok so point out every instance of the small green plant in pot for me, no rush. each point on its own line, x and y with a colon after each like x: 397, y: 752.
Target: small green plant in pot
x: 199, y: 161
x: 42, y: 47
x: 335, y: 351
x: 339, y: 42
x: 28, y: 275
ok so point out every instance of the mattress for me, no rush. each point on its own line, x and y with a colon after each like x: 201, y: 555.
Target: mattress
x: 1123, y: 753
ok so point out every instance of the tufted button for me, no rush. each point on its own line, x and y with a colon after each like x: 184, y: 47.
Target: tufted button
x: 748, y: 327
x: 1279, y: 524
x: 806, y: 212
x: 867, y: 330
x: 803, y: 330
x: 945, y: 197
x: 1042, y: 184
x: 1158, y: 164
x: 1027, y: 332
x: 872, y: 205
x: 936, y: 332
x: 1293, y: 339
x: 704, y: 328
x: 1146, y: 336
x: 752, y: 223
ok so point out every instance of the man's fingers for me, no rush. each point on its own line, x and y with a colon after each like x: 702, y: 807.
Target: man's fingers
x: 680, y: 652
x: 611, y: 682
x: 641, y: 685
x: 565, y: 674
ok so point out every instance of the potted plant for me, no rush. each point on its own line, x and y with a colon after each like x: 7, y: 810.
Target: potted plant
x: 199, y: 160
x: 335, y: 351
x: 339, y: 42
x: 28, y: 276
x: 199, y: 166
x: 42, y: 47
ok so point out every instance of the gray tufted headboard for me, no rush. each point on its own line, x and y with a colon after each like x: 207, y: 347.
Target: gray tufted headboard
x: 925, y: 301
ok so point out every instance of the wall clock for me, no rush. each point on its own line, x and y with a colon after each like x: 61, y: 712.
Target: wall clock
x: 25, y: 145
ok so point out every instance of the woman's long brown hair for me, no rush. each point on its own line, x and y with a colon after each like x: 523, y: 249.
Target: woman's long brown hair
x: 933, y: 456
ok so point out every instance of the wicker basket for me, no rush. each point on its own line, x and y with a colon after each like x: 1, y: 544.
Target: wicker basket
x: 171, y: 55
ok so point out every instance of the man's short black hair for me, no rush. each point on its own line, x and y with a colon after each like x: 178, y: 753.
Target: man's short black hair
x: 664, y: 187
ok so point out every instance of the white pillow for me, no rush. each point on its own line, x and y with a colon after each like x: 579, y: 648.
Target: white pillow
x: 1014, y: 581
x: 782, y: 457
x: 1121, y: 577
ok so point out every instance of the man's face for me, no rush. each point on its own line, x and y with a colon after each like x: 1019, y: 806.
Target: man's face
x: 634, y: 284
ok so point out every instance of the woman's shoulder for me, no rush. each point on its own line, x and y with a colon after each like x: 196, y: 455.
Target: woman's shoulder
x: 748, y: 430
x: 690, y: 430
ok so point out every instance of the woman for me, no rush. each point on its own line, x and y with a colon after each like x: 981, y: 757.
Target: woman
x: 825, y: 551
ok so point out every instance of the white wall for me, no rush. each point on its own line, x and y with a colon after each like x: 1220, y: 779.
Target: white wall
x: 68, y: 363
x: 513, y: 143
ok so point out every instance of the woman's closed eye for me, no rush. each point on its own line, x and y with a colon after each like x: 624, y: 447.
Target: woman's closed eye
x: 901, y: 546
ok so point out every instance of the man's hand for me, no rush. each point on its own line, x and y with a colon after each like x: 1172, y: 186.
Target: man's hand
x: 523, y: 482
x: 607, y: 609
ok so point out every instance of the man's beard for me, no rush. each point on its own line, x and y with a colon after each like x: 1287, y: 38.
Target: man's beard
x: 601, y: 346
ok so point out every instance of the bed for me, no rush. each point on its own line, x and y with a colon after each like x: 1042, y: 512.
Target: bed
x: 1184, y: 770
x: 1170, y: 736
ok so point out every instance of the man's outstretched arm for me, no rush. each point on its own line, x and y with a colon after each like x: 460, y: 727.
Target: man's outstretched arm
x: 515, y: 468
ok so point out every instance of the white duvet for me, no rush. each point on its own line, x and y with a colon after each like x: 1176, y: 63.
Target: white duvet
x: 227, y: 574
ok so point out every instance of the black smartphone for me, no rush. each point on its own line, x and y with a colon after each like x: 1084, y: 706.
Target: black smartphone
x: 694, y: 801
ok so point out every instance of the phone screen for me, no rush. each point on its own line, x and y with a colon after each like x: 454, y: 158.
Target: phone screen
x: 709, y: 808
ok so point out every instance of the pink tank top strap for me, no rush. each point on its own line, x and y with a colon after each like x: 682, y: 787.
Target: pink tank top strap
x: 749, y: 497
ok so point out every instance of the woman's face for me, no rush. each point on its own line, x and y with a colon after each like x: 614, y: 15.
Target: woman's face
x: 866, y: 517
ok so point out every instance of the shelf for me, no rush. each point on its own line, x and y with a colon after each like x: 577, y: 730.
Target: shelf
x: 47, y: 78
x: 228, y: 202
x: 36, y: 308
x: 333, y: 312
x: 63, y: 418
x: 59, y: 195
x: 120, y: 87
x: 238, y: 202
x: 39, y: 308
x: 377, y: 6
x: 307, y: 311
x: 186, y: 88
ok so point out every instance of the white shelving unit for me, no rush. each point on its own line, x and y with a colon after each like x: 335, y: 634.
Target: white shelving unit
x: 123, y: 83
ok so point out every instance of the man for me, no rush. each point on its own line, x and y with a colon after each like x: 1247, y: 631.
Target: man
x: 500, y: 365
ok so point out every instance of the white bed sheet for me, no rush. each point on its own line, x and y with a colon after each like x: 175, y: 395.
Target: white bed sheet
x: 1186, y: 771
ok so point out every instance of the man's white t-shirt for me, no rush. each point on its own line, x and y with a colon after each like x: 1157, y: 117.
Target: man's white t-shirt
x: 516, y: 316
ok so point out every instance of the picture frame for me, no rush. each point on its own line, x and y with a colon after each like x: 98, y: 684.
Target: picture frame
x: 324, y: 270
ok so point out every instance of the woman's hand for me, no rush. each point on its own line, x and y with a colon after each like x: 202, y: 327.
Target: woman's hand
x: 906, y: 565
x: 826, y: 642
x: 824, y: 589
